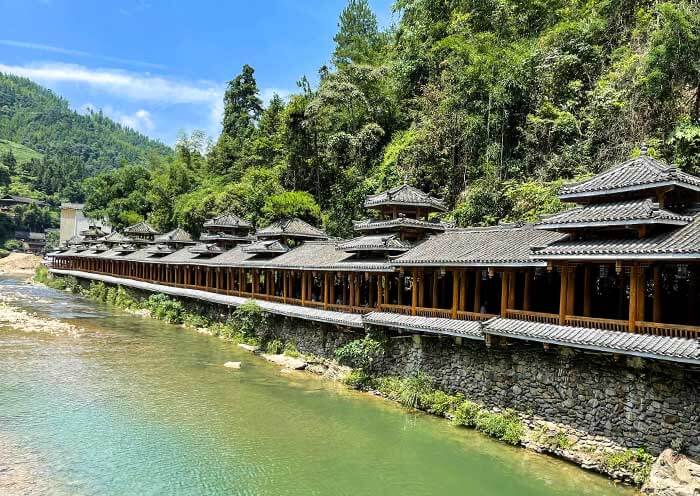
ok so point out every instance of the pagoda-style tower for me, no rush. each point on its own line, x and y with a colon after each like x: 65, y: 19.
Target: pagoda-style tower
x: 637, y: 198
x: 282, y: 235
x: 141, y: 233
x: 170, y: 242
x: 401, y: 221
x: 226, y: 231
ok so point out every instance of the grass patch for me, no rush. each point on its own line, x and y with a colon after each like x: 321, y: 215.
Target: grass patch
x: 636, y: 462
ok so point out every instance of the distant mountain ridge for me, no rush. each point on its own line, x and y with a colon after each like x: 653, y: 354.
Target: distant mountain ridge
x: 37, y: 118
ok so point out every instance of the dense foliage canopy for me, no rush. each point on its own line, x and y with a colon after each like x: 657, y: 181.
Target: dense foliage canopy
x: 490, y: 104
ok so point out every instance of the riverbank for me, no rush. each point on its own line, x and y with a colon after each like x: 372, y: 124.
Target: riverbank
x: 23, y: 264
x: 510, y: 424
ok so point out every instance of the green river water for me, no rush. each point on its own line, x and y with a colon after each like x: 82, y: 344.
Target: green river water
x: 134, y: 406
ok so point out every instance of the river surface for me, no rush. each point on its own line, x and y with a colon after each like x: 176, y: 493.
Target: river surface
x: 127, y: 405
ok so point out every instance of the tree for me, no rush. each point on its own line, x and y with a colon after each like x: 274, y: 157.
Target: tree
x: 5, y: 178
x: 291, y: 204
x: 9, y: 161
x: 242, y: 106
x: 358, y: 39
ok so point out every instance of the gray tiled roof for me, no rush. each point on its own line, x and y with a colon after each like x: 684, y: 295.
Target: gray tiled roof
x: 75, y: 240
x: 635, y: 212
x: 125, y: 248
x: 177, y: 235
x: 268, y: 246
x: 291, y: 228
x: 398, y: 223
x: 405, y: 195
x: 488, y: 246
x: 636, y: 174
x: 663, y: 347
x: 116, y: 237
x: 228, y: 219
x: 218, y: 236
x: 140, y: 228
x: 206, y: 248
x: 233, y: 257
x: 161, y: 249
x: 92, y: 232
x: 461, y: 328
x: 678, y: 244
x: 376, y: 242
x: 180, y: 256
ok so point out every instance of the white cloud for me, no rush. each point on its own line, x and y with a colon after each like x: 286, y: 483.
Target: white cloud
x: 77, y: 53
x: 140, y: 121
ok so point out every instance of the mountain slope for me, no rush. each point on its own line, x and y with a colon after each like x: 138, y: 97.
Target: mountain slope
x: 35, y: 117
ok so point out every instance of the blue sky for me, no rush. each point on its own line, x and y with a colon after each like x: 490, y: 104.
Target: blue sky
x: 161, y: 66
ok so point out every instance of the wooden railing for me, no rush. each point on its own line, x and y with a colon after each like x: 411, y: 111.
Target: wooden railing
x: 672, y: 330
x: 434, y: 312
x: 466, y: 315
x: 598, y: 323
x: 548, y: 318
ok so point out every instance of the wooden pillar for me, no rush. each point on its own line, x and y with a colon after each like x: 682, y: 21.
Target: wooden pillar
x: 370, y: 292
x: 571, y: 287
x: 358, y: 285
x: 421, y: 288
x: 505, y: 280
x: 463, y: 290
x: 634, y: 283
x: 641, y: 294
x: 563, y: 292
x: 385, y: 282
x: 414, y: 292
x: 326, y: 290
x: 657, y: 315
x: 455, y: 293
x: 477, y: 291
x: 526, y: 290
x: 351, y: 288
x: 511, y: 288
x: 285, y: 285
x: 399, y: 289
x: 587, y: 290
x: 303, y: 288
x: 434, y: 295
x: 331, y: 279
x: 380, y: 290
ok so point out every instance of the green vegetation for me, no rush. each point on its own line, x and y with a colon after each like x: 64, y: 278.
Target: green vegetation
x: 67, y: 283
x: 274, y: 347
x: 290, y: 349
x: 360, y: 353
x: 419, y: 392
x: 637, y: 462
x: 490, y: 105
x: 21, y: 153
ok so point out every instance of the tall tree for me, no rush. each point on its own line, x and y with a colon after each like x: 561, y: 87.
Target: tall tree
x: 358, y: 39
x: 242, y: 105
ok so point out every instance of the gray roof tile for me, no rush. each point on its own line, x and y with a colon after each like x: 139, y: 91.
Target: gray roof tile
x: 291, y: 228
x: 462, y: 328
x: 405, y: 195
x: 140, y: 228
x: 369, y: 225
x: 177, y: 235
x: 376, y: 242
x: 228, y: 219
x: 636, y: 174
x: 661, y: 347
x: 635, y: 212
x: 505, y: 245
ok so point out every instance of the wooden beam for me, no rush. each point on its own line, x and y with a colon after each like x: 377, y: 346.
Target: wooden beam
x: 434, y: 296
x: 421, y: 288
x: 455, y: 293
x: 511, y: 288
x: 641, y: 294
x: 571, y: 288
x: 505, y: 279
x: 462, y: 290
x: 303, y: 288
x: 526, y: 289
x: 634, y: 299
x: 563, y: 292
x: 477, y: 291
x: 657, y: 314
x: 414, y: 292
x: 326, y: 290
x: 587, y: 290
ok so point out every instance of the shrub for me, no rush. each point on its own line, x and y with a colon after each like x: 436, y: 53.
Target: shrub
x: 13, y: 244
x: 274, y: 347
x: 359, y: 353
x: 195, y: 320
x: 413, y: 388
x: 248, y: 318
x: 466, y: 413
x: 97, y: 291
x: 637, y: 462
x: 358, y: 379
x: 290, y: 349
x: 505, y: 426
x: 164, y: 308
x: 3, y: 253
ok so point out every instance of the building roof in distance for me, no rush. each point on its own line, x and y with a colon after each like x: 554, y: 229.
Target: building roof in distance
x: 681, y: 243
x: 206, y: 249
x: 177, y: 235
x: 227, y: 219
x: 405, y: 195
x: 504, y: 245
x: 116, y: 237
x: 626, y: 213
x: 369, y: 225
x: 291, y: 228
x: 376, y: 242
x: 271, y: 246
x: 140, y: 228
x: 637, y: 174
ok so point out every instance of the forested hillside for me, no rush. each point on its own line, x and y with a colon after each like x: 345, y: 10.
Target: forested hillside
x: 38, y: 119
x: 490, y: 104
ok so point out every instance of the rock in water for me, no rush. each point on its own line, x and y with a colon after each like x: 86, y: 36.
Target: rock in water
x: 285, y: 361
x: 673, y: 475
x: 248, y: 347
x: 233, y: 365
